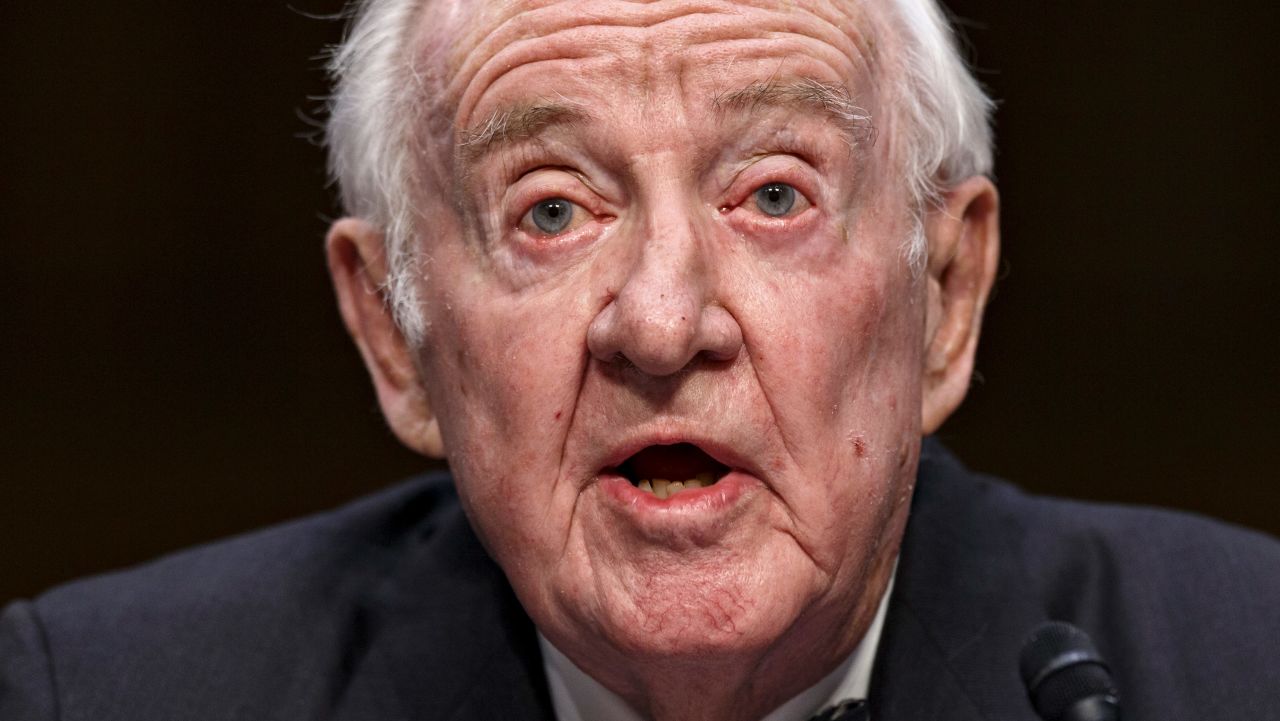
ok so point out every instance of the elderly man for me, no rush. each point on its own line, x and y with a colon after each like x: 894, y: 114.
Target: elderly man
x: 677, y: 287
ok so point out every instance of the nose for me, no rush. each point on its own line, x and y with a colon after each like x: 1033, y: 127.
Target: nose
x: 666, y: 316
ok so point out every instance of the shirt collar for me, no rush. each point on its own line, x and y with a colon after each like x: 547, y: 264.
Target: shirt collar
x: 578, y: 697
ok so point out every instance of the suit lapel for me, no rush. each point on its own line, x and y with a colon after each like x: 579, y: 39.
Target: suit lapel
x: 959, y: 609
x: 912, y: 679
x: 449, y: 640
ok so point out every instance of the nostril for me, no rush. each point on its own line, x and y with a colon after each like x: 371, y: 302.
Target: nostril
x: 720, y: 336
x: 661, y: 320
x: 603, y: 335
x: 655, y: 344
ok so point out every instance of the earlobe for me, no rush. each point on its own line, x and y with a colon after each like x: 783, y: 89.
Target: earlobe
x: 432, y: 441
x: 963, y: 233
x: 358, y: 268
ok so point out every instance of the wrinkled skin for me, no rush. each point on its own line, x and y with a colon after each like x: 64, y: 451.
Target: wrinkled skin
x: 800, y: 350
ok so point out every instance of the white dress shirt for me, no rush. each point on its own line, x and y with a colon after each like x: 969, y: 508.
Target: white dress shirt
x: 578, y: 697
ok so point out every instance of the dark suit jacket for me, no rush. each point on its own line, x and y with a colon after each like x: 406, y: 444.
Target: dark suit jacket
x: 389, y: 609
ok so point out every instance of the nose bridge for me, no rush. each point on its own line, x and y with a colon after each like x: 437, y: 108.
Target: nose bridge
x: 669, y: 276
x: 664, y: 314
x: 662, y: 298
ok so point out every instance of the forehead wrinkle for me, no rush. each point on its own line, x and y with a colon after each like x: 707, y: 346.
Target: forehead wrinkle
x: 489, y: 39
x: 828, y: 99
x: 512, y: 34
x: 857, y: 20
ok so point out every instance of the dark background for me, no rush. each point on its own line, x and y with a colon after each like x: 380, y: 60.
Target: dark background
x: 174, y: 369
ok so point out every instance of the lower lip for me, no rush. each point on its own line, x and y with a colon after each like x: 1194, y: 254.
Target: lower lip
x: 691, y: 504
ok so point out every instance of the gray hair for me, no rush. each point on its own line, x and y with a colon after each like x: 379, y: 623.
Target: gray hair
x: 944, y: 110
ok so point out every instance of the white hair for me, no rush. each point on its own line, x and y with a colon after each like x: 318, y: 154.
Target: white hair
x: 371, y: 115
x: 943, y: 110
x: 934, y: 99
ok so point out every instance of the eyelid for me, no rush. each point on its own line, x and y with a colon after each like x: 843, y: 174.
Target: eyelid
x: 525, y: 159
x: 755, y: 177
x: 545, y: 184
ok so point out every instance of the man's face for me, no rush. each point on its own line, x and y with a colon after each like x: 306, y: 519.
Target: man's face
x: 664, y: 248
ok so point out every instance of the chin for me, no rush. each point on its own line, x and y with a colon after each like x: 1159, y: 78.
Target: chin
x: 704, y: 607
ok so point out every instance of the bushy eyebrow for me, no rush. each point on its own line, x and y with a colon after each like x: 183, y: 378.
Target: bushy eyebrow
x: 514, y: 124
x: 526, y: 121
x: 824, y: 98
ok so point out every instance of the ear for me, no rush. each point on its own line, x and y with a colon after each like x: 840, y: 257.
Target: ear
x: 963, y: 233
x: 357, y: 264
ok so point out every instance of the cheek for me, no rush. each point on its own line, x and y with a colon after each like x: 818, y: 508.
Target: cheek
x: 829, y: 344
x: 837, y: 355
x: 503, y: 374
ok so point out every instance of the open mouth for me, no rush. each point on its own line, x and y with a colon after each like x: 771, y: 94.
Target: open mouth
x: 666, y: 471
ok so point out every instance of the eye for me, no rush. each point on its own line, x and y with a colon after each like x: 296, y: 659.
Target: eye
x: 550, y: 217
x: 775, y: 199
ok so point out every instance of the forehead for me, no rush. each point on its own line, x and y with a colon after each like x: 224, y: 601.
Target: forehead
x: 480, y: 55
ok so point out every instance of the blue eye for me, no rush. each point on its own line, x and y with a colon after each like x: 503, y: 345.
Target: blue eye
x: 552, y: 216
x: 775, y: 199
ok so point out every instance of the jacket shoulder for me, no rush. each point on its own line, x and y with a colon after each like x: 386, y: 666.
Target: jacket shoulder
x: 274, y: 608
x: 1081, y: 555
x: 1079, y: 544
x: 1183, y: 607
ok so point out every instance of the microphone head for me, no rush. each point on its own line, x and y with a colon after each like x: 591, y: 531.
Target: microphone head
x: 1066, y: 677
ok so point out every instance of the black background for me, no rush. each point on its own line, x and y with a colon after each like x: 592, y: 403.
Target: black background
x: 174, y: 369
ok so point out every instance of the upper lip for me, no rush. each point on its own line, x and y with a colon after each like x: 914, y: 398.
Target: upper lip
x: 640, y: 439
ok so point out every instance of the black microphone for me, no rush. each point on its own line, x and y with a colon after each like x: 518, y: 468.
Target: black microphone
x: 1065, y: 677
